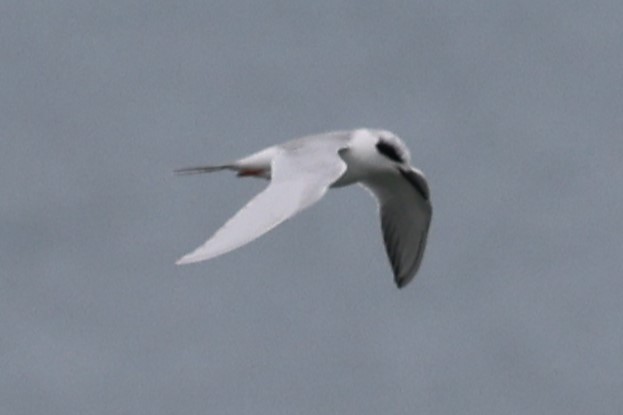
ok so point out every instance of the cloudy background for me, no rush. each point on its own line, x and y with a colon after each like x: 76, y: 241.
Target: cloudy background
x: 512, y: 109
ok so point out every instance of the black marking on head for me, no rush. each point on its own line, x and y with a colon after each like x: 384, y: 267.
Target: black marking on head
x: 390, y: 151
x: 417, y: 181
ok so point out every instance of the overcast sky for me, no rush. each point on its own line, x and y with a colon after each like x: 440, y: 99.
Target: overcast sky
x: 512, y: 109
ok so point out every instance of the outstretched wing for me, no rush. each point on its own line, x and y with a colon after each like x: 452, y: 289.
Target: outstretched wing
x: 406, y: 214
x: 300, y: 176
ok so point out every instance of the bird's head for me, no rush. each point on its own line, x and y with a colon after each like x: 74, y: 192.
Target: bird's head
x: 382, y: 148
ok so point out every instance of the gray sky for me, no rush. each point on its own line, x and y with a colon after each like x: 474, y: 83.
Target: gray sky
x: 512, y: 109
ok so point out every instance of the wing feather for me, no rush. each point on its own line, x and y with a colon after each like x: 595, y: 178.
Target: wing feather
x: 301, y: 176
x: 406, y: 213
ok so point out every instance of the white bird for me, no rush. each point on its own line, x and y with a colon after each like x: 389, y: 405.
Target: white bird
x: 302, y: 170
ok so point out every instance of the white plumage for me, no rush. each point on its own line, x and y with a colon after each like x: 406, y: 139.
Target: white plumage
x: 300, y: 173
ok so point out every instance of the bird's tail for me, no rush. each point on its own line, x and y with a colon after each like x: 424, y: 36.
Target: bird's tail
x: 203, y: 169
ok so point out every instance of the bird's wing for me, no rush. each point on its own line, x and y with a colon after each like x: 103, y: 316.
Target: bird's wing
x: 300, y: 176
x: 406, y: 213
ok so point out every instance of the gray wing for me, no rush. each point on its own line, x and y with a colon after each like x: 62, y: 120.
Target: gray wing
x: 406, y: 214
x: 300, y: 176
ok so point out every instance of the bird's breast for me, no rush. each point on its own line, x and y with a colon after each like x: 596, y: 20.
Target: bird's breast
x: 358, y: 168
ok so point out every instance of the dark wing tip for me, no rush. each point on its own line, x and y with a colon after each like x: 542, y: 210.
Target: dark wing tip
x: 401, y: 282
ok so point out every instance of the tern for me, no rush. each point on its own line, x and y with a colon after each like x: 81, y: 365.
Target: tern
x: 300, y: 173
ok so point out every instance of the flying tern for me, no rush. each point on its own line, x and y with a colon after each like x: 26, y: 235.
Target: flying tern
x: 300, y: 173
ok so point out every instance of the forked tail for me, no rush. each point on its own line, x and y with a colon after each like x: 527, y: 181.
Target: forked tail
x: 203, y: 169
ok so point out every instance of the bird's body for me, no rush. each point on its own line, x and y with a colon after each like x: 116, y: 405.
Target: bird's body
x: 302, y: 170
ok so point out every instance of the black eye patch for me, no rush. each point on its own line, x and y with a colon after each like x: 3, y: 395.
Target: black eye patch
x: 389, y: 151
